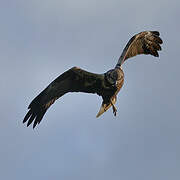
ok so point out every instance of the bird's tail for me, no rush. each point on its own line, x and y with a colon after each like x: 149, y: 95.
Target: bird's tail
x: 104, y: 107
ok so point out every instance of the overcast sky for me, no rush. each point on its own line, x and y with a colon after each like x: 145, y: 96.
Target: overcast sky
x: 40, y: 39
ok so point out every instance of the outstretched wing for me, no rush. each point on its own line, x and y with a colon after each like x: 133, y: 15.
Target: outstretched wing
x: 73, y: 80
x: 147, y: 42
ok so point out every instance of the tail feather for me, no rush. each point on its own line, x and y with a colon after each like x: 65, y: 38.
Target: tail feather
x: 104, y: 107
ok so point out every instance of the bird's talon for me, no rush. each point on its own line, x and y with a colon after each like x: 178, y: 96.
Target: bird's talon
x: 114, y: 111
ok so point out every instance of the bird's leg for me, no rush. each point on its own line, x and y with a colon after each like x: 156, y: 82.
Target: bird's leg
x: 114, y: 108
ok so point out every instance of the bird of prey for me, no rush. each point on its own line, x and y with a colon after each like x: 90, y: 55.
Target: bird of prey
x: 106, y: 85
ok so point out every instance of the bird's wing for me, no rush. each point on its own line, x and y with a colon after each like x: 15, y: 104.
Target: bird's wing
x: 146, y: 42
x: 73, y: 80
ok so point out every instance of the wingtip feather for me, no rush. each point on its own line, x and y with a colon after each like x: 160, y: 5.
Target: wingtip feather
x: 27, y: 116
x: 156, y: 33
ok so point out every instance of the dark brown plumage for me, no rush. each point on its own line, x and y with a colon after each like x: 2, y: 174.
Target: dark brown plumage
x: 106, y: 85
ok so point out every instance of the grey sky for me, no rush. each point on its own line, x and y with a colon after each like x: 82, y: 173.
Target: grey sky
x: 40, y: 39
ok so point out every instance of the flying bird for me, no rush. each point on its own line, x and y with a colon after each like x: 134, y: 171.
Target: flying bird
x: 106, y: 85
